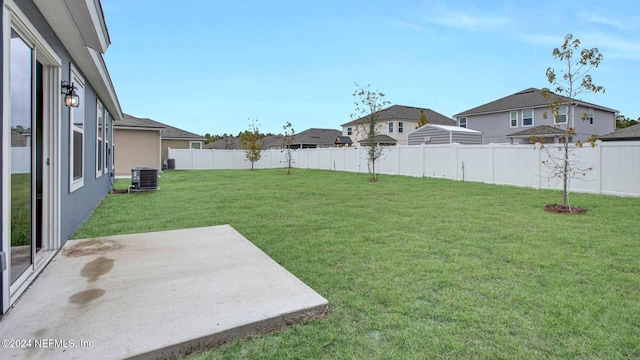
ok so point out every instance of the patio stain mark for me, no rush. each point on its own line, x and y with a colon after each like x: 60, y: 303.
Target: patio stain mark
x: 91, y: 247
x: 86, y: 296
x: 96, y: 268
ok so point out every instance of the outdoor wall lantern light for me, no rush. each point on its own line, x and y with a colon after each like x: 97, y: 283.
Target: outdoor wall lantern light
x: 71, y: 98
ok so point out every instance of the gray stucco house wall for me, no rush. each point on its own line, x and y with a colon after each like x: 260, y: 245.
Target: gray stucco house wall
x: 494, y: 119
x: 63, y: 40
x: 79, y: 205
x: 432, y: 134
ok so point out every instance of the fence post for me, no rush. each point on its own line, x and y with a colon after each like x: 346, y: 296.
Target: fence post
x: 493, y: 160
x: 422, y: 159
x: 538, y: 178
x: 599, y: 168
x: 454, y: 148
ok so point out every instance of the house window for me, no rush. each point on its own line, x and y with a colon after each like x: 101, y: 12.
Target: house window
x: 462, y: 122
x: 107, y: 135
x: 99, y: 139
x: 76, y: 118
x: 349, y: 131
x: 590, y: 117
x: 527, y: 117
x: 562, y: 115
x: 400, y: 127
x: 195, y: 145
x: 514, y: 119
x: 390, y: 127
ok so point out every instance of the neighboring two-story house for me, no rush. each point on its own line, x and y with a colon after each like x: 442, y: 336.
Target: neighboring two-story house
x: 396, y: 122
x: 518, y: 117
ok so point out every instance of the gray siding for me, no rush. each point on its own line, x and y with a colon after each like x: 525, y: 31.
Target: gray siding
x: 467, y: 138
x: 77, y: 206
x: 442, y: 136
x: 495, y: 126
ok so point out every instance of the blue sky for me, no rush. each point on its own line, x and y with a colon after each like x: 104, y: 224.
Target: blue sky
x: 208, y: 66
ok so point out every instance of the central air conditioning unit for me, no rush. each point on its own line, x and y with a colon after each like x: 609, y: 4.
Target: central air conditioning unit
x: 144, y: 178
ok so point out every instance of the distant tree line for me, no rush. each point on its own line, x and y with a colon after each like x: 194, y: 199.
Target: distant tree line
x: 212, y: 138
x: 623, y: 122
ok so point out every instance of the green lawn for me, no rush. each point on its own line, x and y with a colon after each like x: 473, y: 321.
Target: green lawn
x: 417, y: 268
x: 20, y: 209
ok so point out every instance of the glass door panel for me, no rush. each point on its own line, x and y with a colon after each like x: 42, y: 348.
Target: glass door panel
x: 21, y: 93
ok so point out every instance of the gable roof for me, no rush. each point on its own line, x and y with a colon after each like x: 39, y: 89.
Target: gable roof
x: 382, y: 139
x: 317, y: 136
x: 525, y: 99
x: 273, y: 141
x: 447, y: 128
x: 344, y: 140
x: 540, y: 130
x: 629, y: 133
x: 168, y: 132
x: 401, y: 112
x: 227, y: 143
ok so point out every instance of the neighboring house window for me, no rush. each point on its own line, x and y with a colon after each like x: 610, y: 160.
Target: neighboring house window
x: 462, y: 122
x: 514, y: 119
x: 400, y: 127
x: 390, y: 127
x: 99, y: 139
x: 76, y: 118
x: 527, y: 117
x: 590, y: 117
x: 562, y: 115
x: 195, y: 145
x: 349, y: 131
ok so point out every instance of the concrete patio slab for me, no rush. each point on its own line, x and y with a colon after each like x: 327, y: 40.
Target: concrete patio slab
x: 154, y: 295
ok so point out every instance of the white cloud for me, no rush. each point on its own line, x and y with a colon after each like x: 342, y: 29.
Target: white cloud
x: 468, y: 21
x: 542, y: 40
x: 405, y: 24
x: 603, y: 20
x: 620, y: 47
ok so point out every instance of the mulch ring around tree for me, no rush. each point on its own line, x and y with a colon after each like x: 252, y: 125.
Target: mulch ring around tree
x: 564, y: 209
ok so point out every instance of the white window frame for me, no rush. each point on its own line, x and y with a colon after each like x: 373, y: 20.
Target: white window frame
x: 349, y: 131
x: 390, y: 127
x: 532, y: 118
x: 512, y: 119
x: 461, y: 121
x: 400, y: 127
x: 191, y: 143
x: 591, y: 117
x: 100, y: 160
x: 565, y: 114
x: 78, y: 81
x: 108, y: 136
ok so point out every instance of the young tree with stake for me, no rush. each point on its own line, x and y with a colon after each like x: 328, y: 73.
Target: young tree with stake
x: 367, y: 108
x: 575, y: 80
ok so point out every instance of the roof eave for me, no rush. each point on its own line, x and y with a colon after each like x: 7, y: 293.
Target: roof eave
x: 80, y: 26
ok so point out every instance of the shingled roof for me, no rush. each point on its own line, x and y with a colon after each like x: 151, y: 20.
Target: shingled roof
x: 541, y: 130
x: 168, y: 132
x: 401, y: 112
x: 315, y: 136
x: 629, y: 133
x: 525, y: 99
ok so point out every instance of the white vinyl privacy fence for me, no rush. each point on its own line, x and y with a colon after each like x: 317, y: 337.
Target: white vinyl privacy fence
x: 615, y: 165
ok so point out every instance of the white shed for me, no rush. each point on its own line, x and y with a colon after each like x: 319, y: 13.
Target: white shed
x: 443, y: 134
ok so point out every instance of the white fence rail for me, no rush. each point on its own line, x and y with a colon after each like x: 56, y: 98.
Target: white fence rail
x: 615, y: 165
x: 20, y: 160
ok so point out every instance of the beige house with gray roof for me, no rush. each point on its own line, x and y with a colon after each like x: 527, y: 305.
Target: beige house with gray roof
x: 145, y: 142
x: 395, y: 122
